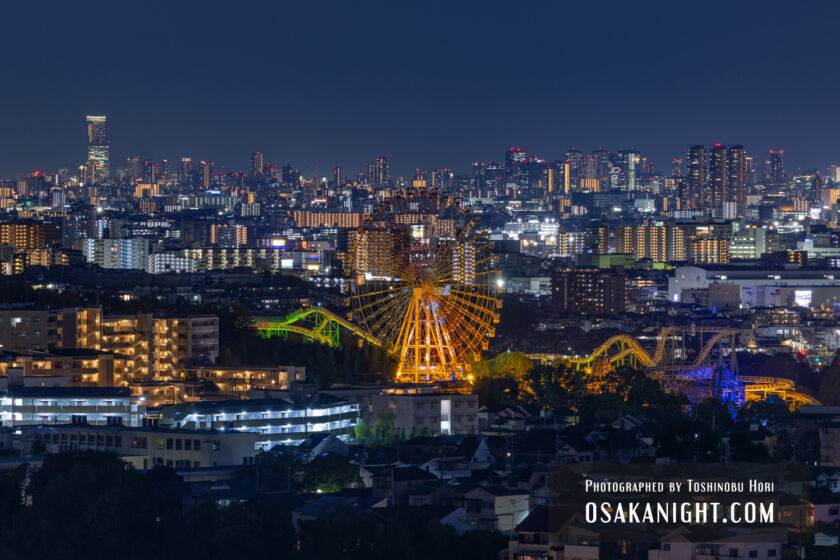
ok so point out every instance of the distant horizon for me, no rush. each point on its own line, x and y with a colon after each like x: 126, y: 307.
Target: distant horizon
x: 437, y: 84
x: 662, y: 168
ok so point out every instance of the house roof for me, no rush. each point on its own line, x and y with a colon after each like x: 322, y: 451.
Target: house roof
x: 546, y: 519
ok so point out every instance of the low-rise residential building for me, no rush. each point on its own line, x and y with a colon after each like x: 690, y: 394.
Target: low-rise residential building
x: 428, y: 414
x: 496, y: 508
x: 279, y: 421
x: 21, y: 405
x: 239, y: 380
x: 146, y: 448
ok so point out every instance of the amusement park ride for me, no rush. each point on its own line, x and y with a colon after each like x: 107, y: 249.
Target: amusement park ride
x: 424, y: 289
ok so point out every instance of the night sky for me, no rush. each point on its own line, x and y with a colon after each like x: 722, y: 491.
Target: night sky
x: 433, y: 84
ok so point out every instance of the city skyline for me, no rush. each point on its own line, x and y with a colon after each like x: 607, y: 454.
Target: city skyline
x: 99, y: 165
x: 439, y: 88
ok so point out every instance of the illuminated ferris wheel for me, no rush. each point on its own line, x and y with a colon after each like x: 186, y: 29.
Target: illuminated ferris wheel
x: 424, y: 284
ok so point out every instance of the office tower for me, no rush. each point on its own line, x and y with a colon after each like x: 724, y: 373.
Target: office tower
x: 695, y: 173
x: 185, y: 171
x: 676, y: 168
x: 205, y: 173
x: 290, y: 176
x: 601, y: 161
x: 573, y: 157
x: 134, y: 168
x: 534, y: 170
x: 150, y: 171
x: 257, y: 165
x: 736, y: 175
x: 628, y: 163
x: 337, y: 176
x: 777, y: 167
x: 750, y: 167
x: 834, y: 174
x: 514, y: 160
x: 164, y: 171
x: 98, y: 147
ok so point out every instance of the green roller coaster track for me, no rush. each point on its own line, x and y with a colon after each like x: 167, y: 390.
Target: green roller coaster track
x: 314, y: 323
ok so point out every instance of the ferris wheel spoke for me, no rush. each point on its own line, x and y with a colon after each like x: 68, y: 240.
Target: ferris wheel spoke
x: 439, y: 311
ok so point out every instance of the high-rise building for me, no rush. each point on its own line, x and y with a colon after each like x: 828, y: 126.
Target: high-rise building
x: 737, y: 174
x: 834, y: 173
x: 777, y: 167
x: 205, y: 173
x: 150, y: 171
x: 601, y: 161
x: 185, y: 171
x: 337, y: 176
x: 676, y: 168
x: 290, y: 176
x: 134, y: 168
x: 99, y: 149
x: 695, y: 173
x: 590, y: 290
x: 573, y: 158
x: 717, y: 188
x: 164, y: 171
x: 257, y: 165
x: 628, y: 163
x: 381, y: 172
x: 515, y: 161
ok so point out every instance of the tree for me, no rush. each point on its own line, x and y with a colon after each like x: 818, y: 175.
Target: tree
x: 329, y: 473
x: 829, y: 393
x: 383, y: 433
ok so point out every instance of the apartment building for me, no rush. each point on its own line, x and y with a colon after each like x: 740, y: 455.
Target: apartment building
x: 146, y: 448
x: 22, y: 405
x: 153, y: 346
x: 282, y: 420
x: 236, y: 380
x: 79, y: 367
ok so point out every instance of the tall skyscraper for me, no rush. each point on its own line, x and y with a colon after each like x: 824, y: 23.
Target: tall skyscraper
x: 99, y: 148
x: 737, y: 174
x: 777, y: 167
x: 515, y: 159
x: 695, y: 173
x: 573, y: 157
x: 676, y: 168
x: 381, y: 172
x: 337, y: 176
x: 257, y: 165
x: 185, y: 171
x: 150, y: 171
x: 134, y: 167
x: 717, y: 188
x: 205, y: 173
x: 290, y: 176
x: 628, y: 163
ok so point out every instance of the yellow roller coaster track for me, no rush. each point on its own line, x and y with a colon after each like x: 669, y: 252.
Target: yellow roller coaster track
x: 627, y: 346
x: 314, y: 323
x: 757, y: 388
x: 630, y: 346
